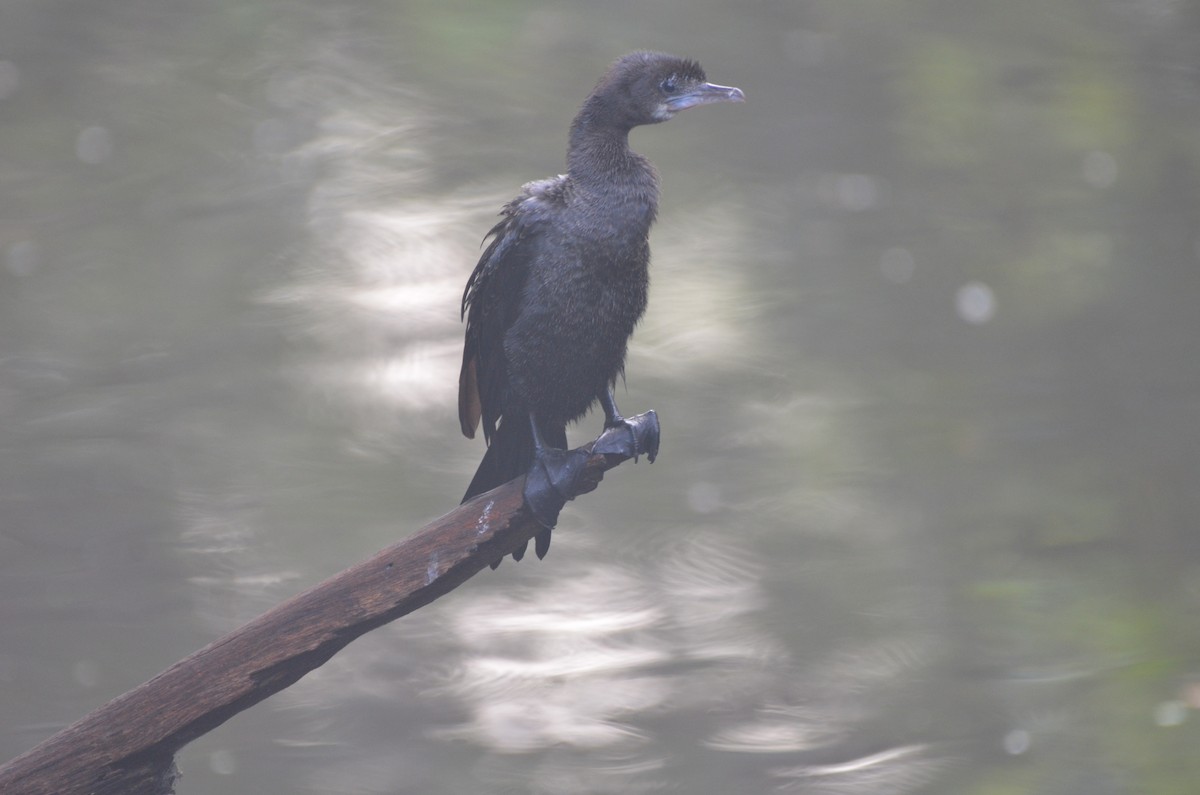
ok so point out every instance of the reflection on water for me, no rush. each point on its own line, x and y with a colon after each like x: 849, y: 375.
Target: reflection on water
x: 373, y: 301
x: 896, y: 770
x: 921, y: 337
x: 571, y: 663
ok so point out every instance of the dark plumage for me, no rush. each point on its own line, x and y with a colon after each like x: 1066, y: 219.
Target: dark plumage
x: 557, y: 293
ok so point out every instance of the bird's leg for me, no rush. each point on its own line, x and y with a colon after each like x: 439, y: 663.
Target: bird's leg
x: 627, y: 436
x: 552, y: 478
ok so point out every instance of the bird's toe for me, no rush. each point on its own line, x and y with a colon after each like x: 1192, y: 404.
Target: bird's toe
x: 552, y: 480
x: 631, y: 437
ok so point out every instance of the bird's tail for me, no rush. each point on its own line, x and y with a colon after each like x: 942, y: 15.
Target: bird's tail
x: 509, y: 455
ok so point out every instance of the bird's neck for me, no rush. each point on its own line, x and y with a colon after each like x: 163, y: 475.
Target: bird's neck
x: 600, y: 162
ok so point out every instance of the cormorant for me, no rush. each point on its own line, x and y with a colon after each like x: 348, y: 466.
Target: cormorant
x: 553, y: 300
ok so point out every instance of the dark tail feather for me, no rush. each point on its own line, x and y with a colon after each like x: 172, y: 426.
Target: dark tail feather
x: 508, y: 456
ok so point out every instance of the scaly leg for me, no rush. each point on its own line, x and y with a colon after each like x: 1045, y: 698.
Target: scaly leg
x: 627, y: 436
x: 551, y: 482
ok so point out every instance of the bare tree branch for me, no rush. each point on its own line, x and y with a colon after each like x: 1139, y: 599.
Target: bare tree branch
x: 128, y: 745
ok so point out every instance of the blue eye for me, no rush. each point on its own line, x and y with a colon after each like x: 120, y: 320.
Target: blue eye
x: 670, y: 85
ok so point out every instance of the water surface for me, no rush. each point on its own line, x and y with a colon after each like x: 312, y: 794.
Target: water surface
x: 921, y: 337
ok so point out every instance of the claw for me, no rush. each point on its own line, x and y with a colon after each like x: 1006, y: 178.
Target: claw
x: 517, y: 554
x: 630, y: 437
x: 541, y: 544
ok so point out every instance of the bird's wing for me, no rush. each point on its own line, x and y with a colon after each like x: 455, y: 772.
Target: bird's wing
x: 490, y: 304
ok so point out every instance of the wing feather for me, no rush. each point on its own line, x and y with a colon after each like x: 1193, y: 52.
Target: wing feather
x: 489, y: 305
x: 492, y: 298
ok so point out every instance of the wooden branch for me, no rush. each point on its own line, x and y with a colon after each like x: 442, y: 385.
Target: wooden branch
x: 128, y: 746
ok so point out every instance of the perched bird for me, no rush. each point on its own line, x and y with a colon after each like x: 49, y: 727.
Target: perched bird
x: 553, y: 300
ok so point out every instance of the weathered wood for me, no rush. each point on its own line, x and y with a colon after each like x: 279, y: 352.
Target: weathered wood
x: 128, y: 746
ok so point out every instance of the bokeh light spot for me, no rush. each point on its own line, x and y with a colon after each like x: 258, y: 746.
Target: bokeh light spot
x: 1017, y: 742
x: 975, y: 303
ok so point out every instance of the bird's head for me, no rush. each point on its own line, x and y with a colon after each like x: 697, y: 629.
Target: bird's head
x: 651, y: 87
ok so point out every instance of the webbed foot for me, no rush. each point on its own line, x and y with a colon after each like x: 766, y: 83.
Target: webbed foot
x: 630, y: 437
x: 552, y: 480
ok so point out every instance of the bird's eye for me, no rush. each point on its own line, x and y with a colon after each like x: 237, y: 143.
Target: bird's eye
x: 670, y: 85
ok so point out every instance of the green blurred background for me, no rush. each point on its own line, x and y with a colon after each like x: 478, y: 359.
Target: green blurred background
x: 921, y: 336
